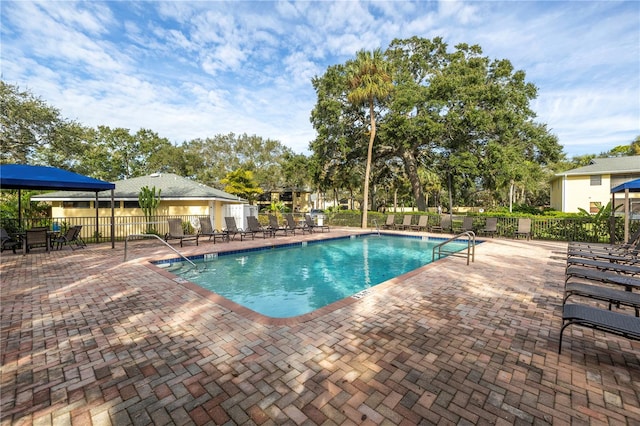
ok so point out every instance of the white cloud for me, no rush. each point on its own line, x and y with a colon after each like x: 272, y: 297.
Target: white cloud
x: 196, y: 69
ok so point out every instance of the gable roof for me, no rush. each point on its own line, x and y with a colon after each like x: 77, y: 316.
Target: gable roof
x: 24, y: 176
x: 173, y: 187
x: 614, y: 165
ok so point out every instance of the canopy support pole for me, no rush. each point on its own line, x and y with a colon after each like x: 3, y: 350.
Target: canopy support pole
x: 113, y: 222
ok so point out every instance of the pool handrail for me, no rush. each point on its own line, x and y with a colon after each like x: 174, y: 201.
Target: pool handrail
x: 471, y: 246
x: 153, y: 235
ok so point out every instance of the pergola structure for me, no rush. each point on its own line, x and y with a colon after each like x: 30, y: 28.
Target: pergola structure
x: 23, y: 176
x: 626, y: 188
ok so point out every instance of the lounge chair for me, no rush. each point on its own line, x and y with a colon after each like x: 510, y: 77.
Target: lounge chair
x: 312, y: 225
x: 293, y: 226
x: 606, y: 294
x: 524, y: 228
x: 71, y: 238
x: 604, y: 265
x: 254, y: 227
x: 406, y: 222
x: 176, y: 232
x: 490, y: 227
x: 444, y: 224
x: 36, y: 237
x: 7, y: 242
x: 274, y: 226
x: 633, y: 243
x: 467, y: 224
x: 423, y: 224
x: 390, y: 223
x: 599, y: 319
x: 206, y: 230
x: 232, y: 229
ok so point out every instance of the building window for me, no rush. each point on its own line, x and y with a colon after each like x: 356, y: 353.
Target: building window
x: 76, y: 204
x: 596, y: 180
x: 131, y: 205
x: 107, y: 204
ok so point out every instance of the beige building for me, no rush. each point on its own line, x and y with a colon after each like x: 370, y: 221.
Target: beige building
x: 589, y: 187
x: 179, y: 196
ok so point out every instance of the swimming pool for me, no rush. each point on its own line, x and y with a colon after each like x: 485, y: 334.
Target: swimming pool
x: 295, y: 279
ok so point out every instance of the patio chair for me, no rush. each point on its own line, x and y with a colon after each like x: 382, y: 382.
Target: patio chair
x: 255, y: 228
x: 444, y: 224
x: 206, y: 230
x: 490, y: 227
x: 312, y: 225
x: 293, y: 226
x: 390, y: 223
x: 467, y: 224
x: 176, y: 232
x: 7, y: 242
x: 36, y: 237
x: 406, y: 222
x: 274, y: 226
x: 599, y: 319
x: 423, y: 224
x: 232, y: 229
x: 70, y: 238
x: 524, y: 228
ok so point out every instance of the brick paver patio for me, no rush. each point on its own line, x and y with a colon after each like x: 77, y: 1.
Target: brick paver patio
x: 88, y: 339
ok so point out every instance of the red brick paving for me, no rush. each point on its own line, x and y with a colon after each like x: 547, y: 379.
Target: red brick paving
x: 90, y: 339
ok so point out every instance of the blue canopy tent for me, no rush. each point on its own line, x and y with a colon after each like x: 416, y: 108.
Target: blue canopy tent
x: 626, y: 188
x: 22, y: 176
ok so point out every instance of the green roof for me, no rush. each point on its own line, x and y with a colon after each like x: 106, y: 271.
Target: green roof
x: 615, y: 165
x: 173, y: 187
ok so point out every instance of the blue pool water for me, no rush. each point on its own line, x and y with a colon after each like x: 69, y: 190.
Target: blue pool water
x: 295, y: 280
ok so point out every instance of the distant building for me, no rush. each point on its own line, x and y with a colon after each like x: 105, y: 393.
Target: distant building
x: 179, y: 196
x: 589, y: 187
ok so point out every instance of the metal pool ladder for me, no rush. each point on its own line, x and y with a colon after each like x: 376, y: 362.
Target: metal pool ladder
x: 471, y: 247
x: 149, y: 236
x: 375, y: 222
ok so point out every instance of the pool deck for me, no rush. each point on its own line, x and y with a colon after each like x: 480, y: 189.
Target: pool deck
x: 89, y: 339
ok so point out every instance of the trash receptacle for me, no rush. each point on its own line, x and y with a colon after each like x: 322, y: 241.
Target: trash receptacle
x: 320, y: 219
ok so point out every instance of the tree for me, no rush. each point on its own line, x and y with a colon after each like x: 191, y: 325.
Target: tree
x: 369, y: 80
x: 26, y: 122
x: 149, y: 202
x: 242, y: 183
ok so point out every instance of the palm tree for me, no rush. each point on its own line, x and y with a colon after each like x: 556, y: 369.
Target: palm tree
x: 369, y: 80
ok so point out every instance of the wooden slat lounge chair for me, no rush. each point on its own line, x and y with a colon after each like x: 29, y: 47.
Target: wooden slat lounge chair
x: 293, y: 226
x: 600, y: 319
x: 524, y: 228
x: 255, y: 228
x: 206, y: 230
x: 312, y: 225
x: 176, y: 232
x: 490, y: 227
x: 423, y: 224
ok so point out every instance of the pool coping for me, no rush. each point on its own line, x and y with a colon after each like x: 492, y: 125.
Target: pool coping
x: 289, y: 321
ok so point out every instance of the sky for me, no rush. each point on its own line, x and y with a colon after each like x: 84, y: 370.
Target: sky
x: 196, y: 69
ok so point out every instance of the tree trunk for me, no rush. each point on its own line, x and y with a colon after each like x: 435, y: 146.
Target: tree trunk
x: 511, y: 197
x: 367, y: 173
x: 411, y: 168
x: 450, y: 184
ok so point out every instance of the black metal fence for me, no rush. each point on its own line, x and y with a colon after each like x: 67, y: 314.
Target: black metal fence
x: 543, y: 228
